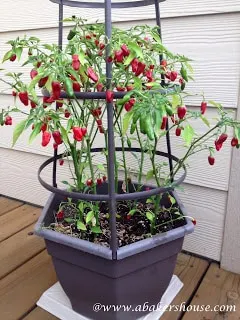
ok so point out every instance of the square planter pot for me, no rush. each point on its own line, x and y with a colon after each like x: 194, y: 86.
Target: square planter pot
x: 88, y: 275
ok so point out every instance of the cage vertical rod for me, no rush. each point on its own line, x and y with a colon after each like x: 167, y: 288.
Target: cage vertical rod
x: 158, y: 21
x: 60, y: 42
x: 111, y: 144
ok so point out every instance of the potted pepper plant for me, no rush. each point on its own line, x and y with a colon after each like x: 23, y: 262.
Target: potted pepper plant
x: 148, y: 105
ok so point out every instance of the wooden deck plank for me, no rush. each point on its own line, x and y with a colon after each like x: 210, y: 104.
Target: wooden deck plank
x: 190, y: 270
x: 20, y: 290
x: 8, y: 205
x: 18, y: 249
x: 40, y: 314
x: 17, y: 219
x: 219, y: 287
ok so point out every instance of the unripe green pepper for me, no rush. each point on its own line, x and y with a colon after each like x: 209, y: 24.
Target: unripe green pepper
x: 133, y: 128
x: 71, y: 34
x: 169, y: 110
x: 142, y: 124
x: 149, y: 128
x: 69, y: 87
x: 129, y: 143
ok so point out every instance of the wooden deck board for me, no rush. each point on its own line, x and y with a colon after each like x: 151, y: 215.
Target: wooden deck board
x: 17, y: 219
x: 7, y: 205
x: 18, y: 249
x: 190, y: 270
x: 219, y: 287
x: 20, y: 290
x: 40, y: 314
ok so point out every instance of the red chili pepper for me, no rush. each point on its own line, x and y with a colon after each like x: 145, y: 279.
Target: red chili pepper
x: 77, y: 134
x: 128, y: 106
x: 60, y: 215
x: 178, y: 131
x: 134, y: 65
x: 218, y: 145
x: 149, y: 75
x: 211, y: 160
x: 59, y: 103
x: 151, y: 66
x: 43, y: 127
x: 104, y: 178
x: 96, y: 112
x: 61, y: 162
x: 109, y: 96
x: 101, y: 46
x: 55, y: 146
x: 46, y: 137
x: 92, y: 75
x: 14, y: 93
x: 164, y: 122
x: 33, y: 104
x: 99, y: 181
x: 223, y: 137
x: 125, y: 50
x: 13, y: 57
x: 96, y: 42
x: 130, y: 88
x: 57, y: 137
x: 99, y: 87
x: 163, y: 63
x: 8, y: 121
x: 67, y: 114
x: 84, y: 131
x: 89, y: 182
x: 76, y: 87
x: 118, y: 56
x: 75, y: 62
x: 120, y: 89
x: 203, y: 107
x: 109, y: 59
x: 173, y: 75
x: 56, y: 90
x: 23, y: 96
x: 234, y: 142
x: 194, y: 221
x: 181, y: 111
x: 140, y: 68
x: 42, y: 82
x: 132, y: 101
x: 33, y: 73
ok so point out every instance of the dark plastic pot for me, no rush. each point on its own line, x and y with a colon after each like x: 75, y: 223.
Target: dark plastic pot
x: 88, y: 275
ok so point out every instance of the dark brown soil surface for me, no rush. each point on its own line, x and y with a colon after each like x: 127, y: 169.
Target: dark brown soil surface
x: 130, y: 228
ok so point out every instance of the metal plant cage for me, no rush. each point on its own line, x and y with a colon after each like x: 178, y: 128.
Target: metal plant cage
x: 112, y: 197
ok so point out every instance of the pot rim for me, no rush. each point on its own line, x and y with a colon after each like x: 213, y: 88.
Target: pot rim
x: 104, y: 252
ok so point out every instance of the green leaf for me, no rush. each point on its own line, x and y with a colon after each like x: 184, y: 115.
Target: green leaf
x: 82, y: 58
x: 64, y: 134
x: 136, y: 48
x: 176, y: 101
x: 149, y: 174
x: 205, y: 120
x: 7, y: 55
x: 34, y: 39
x: 69, y: 220
x: 101, y: 167
x: 48, y: 84
x: 96, y: 229
x: 137, y: 83
x: 81, y: 226
x: 215, y: 104
x: 129, y: 58
x: 149, y: 200
x: 126, y: 121
x: 19, y: 51
x: 131, y: 212
x: 81, y: 207
x: 150, y: 216
x: 35, y: 81
x: 35, y: 132
x: 89, y: 216
x: 65, y: 182
x: 172, y: 200
x: 19, y: 128
x: 188, y: 134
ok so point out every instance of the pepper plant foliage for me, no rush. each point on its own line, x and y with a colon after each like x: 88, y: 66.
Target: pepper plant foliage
x: 155, y: 93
